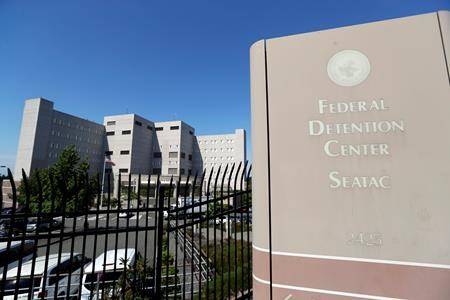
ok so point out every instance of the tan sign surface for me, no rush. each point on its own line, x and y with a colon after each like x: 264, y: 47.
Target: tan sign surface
x: 351, y: 139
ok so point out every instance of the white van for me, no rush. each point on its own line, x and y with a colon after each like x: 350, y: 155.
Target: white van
x: 104, y: 277
x: 65, y: 267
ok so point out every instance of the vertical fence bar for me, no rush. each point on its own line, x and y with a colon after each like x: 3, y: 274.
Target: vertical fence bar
x: 136, y: 237
x: 2, y: 287
x: 215, y: 231
x: 94, y: 248
x: 176, y: 236
x: 22, y: 229
x: 108, y: 207
x: 235, y: 208
x: 47, y: 250
x: 249, y: 262
x: 127, y: 211
x: 207, y: 234
x: 184, y: 235
x: 155, y: 232
x: 168, y: 238
x: 247, y: 222
x: 147, y: 206
x: 193, y: 236
x: 85, y: 229
x: 116, y: 241
x: 36, y: 240
x: 74, y: 223
x: 159, y: 230
x: 10, y: 233
x: 200, y: 237
x: 62, y: 211
x: 229, y: 232
x: 222, y: 260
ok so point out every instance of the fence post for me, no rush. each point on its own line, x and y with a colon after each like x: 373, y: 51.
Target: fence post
x: 160, y: 229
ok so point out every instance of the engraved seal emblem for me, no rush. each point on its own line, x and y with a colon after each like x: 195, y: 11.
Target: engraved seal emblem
x: 348, y: 68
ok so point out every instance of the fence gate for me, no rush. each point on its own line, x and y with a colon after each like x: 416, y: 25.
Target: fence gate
x: 75, y: 236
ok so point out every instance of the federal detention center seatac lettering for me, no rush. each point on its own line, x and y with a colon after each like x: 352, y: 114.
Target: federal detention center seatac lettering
x: 334, y: 148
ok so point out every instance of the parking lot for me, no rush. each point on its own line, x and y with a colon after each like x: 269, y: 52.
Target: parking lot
x: 96, y: 244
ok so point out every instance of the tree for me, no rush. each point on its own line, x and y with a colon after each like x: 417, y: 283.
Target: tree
x: 64, y: 187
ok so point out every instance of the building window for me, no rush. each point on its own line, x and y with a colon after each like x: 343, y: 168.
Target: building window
x: 189, y: 172
x: 174, y: 127
x: 159, y: 128
x: 124, y: 152
x: 110, y: 133
x: 156, y: 171
x: 123, y: 170
x: 108, y: 153
x: 149, y: 127
x: 191, y: 132
x: 173, y: 154
x: 157, y: 154
x: 190, y: 156
x: 138, y: 123
x: 125, y: 132
x: 183, y: 155
x: 181, y: 171
x: 172, y: 171
x: 109, y: 123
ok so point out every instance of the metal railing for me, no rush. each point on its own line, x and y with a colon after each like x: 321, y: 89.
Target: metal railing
x: 189, y: 238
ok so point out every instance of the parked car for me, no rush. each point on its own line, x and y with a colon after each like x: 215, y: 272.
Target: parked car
x: 103, y: 276
x: 44, y: 225
x: 221, y: 220
x: 11, y: 257
x: 65, y: 267
x: 16, y: 224
x: 125, y: 214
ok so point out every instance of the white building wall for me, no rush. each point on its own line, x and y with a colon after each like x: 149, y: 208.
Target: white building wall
x: 220, y: 150
x: 134, y: 144
x: 129, y: 141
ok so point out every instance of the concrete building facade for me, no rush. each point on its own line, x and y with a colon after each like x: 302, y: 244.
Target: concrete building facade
x: 45, y: 132
x: 129, y: 143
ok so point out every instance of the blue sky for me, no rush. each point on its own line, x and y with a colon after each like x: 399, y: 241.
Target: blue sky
x: 164, y: 60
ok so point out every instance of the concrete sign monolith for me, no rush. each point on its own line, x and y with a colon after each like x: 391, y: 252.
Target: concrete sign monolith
x: 351, y: 151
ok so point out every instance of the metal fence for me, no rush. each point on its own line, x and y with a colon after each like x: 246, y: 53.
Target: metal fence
x: 80, y: 238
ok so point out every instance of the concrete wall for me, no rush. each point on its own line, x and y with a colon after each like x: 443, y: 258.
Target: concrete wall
x: 131, y: 142
x: 220, y: 150
x: 174, y: 137
x: 45, y: 132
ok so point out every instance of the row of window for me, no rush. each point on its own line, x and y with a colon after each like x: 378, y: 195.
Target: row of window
x: 77, y: 126
x: 124, y: 132
x: 172, y: 154
x: 122, y: 152
x: 138, y: 123
x: 217, y: 150
x: 228, y: 141
x: 58, y: 146
x: 80, y: 151
x: 219, y: 158
x: 75, y: 137
x: 176, y: 127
